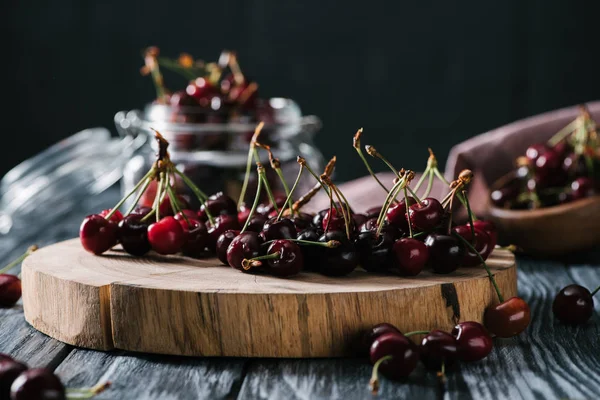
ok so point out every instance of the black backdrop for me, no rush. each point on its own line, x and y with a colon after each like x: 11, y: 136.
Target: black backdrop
x: 413, y: 74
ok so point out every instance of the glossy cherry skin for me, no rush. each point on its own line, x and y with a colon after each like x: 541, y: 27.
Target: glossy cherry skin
x: 534, y: 151
x: 367, y: 338
x: 396, y: 214
x: 278, y: 229
x: 445, y: 253
x: 222, y: 223
x: 189, y: 214
x: 482, y: 244
x: 245, y: 245
x: 548, y: 169
x: 405, y: 355
x: 438, y: 347
x: 375, y: 253
x: 474, y: 341
x: 116, y: 217
x: 359, y: 219
x: 582, y: 187
x: 340, y: 260
x: 223, y: 243
x: 39, y: 384
x: 489, y: 228
x: 311, y: 254
x: 507, y: 319
x: 574, y: 305
x: 10, y: 290
x: 290, y: 260
x: 267, y: 208
x: 426, y: 215
x: 302, y: 221
x: 97, y: 234
x: 9, y: 371
x: 318, y: 218
x: 166, y: 209
x: 202, y: 90
x: 166, y: 236
x: 257, y: 222
x: 133, y: 235
x: 217, y: 204
x: 141, y: 210
x: 334, y: 221
x: 410, y: 256
x: 196, y: 237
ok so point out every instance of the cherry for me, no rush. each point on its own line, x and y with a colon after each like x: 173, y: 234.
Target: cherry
x: 9, y: 371
x: 340, y: 260
x: 574, y: 304
x: 482, y: 244
x: 574, y: 165
x: 404, y: 355
x: 97, y: 234
x: 189, y: 214
x: 39, y: 384
x: 534, y: 151
x: 202, y: 90
x: 217, y: 204
x: 257, y: 222
x: 311, y: 254
x: 318, y: 218
x: 267, y: 208
x: 373, y: 212
x: 334, y: 221
x: 508, y: 318
x: 166, y: 236
x: 474, y: 341
x: 368, y: 337
x: 562, y: 147
x: 246, y: 245
x: 445, y: 252
x: 302, y: 221
x: 489, y: 228
x: 141, y: 210
x: 278, y: 229
x: 396, y: 214
x: 375, y: 252
x: 116, y: 217
x: 500, y: 197
x: 133, y: 235
x: 426, y: 215
x: 548, y: 168
x: 223, y: 243
x: 582, y: 187
x: 359, y: 219
x: 10, y: 290
x: 410, y: 256
x: 222, y: 223
x: 196, y: 237
x: 289, y: 261
x: 243, y: 214
x: 166, y: 209
x: 182, y: 99
x: 437, y: 348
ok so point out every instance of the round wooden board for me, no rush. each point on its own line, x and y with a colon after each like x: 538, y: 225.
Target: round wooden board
x: 178, y: 305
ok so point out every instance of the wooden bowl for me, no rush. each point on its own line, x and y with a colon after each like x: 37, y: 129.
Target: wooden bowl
x: 550, y: 231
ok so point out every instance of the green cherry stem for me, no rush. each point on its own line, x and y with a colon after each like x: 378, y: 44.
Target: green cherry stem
x: 262, y: 174
x: 429, y: 185
x: 290, y: 194
x: 374, y: 382
x: 470, y: 214
x: 257, y: 131
x: 356, y: 144
x: 426, y: 173
x: 248, y: 263
x: 564, y: 132
x: 409, y: 334
x: 410, y: 231
x: 158, y: 197
x: 256, y: 201
x: 487, y: 269
x: 595, y: 291
x: 139, y: 196
x: 199, y: 194
x: 372, y: 151
x: 87, y: 393
x: 327, y: 190
x: 20, y: 259
x: 344, y: 207
x: 151, y: 172
x: 386, y: 204
x: 412, y: 192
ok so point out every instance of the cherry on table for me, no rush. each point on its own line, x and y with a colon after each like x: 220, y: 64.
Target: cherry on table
x: 274, y: 229
x: 39, y: 384
x: 318, y: 218
x: 196, y: 237
x: 311, y: 254
x: 223, y: 243
x: 368, y: 337
x: 474, y: 341
x: 217, y: 204
x: 246, y: 245
x: 410, y: 256
x: 334, y: 221
x: 116, y: 217
x: 289, y: 261
x: 166, y: 209
x: 375, y: 252
x: 574, y: 305
x: 482, y: 244
x: 9, y: 371
x: 97, y: 234
x: 445, y: 252
x: 426, y: 215
x: 340, y: 260
x: 404, y: 353
x: 437, y: 348
x: 133, y: 235
x: 186, y: 213
x: 396, y: 213
x: 222, y: 223
x: 10, y: 290
x: 508, y: 318
x: 166, y: 236
x: 257, y: 222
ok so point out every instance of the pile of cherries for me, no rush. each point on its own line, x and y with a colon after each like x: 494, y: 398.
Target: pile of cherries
x: 18, y: 382
x: 564, y: 169
x: 396, y: 356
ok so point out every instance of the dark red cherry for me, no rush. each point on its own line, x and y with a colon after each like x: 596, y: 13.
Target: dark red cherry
x: 548, y: 169
x: 582, y: 187
x: 426, y: 215
x: 116, y: 217
x: 507, y: 319
x: 311, y: 254
x: 166, y: 209
x: 375, y: 252
x: 534, y: 151
x: 410, y: 256
x: 367, y: 338
x: 562, y: 147
x: 289, y: 262
x: 574, y: 165
x: 302, y: 221
x: 334, y: 221
x: 222, y: 223
x: 359, y: 219
x: 474, y: 341
x: 438, y: 347
x: 9, y: 371
x: 223, y: 243
x: 217, y: 204
x: 97, y: 234
x: 39, y: 384
x: 373, y: 212
x: 482, y: 244
x: 166, y: 236
x: 445, y: 253
x: 396, y: 214
x: 133, y: 235
x: 202, y: 90
x: 182, y: 99
x: 267, y: 208
x: 257, y: 222
x: 340, y: 260
x: 574, y: 305
x: 196, y: 237
x: 10, y: 290
x: 505, y: 195
x: 489, y: 228
x: 318, y: 218
x: 245, y: 245
x: 189, y: 214
x: 405, y: 355
x: 278, y: 229
x: 141, y: 210
x: 243, y: 214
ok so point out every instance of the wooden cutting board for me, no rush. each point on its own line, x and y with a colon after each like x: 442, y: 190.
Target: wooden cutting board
x: 183, y: 306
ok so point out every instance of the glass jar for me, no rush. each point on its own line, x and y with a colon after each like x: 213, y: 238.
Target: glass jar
x: 214, y: 154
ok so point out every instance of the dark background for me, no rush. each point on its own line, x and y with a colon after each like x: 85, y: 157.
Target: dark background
x: 413, y: 74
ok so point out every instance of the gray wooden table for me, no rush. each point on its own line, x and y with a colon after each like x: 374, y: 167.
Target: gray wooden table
x: 549, y: 361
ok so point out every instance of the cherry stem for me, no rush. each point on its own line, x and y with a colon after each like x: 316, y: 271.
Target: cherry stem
x: 248, y: 263
x: 426, y: 173
x: 139, y: 196
x: 87, y: 393
x: 263, y: 175
x: 470, y: 214
x: 152, y: 65
x: 374, y: 382
x: 374, y: 153
x: 136, y: 187
x: 487, y: 269
x: 364, y: 159
x: 286, y: 188
x: 564, y: 132
x: 304, y: 199
x: 345, y: 209
x: 409, y: 334
x: 429, y: 185
x: 175, y: 205
x: 330, y: 244
x: 388, y: 201
x: 256, y: 201
x: 257, y: 131
x: 410, y: 231
x: 199, y: 194
x: 158, y: 198
x: 289, y: 196
x: 318, y: 179
x: 595, y: 291
x: 441, y: 177
x: 23, y: 256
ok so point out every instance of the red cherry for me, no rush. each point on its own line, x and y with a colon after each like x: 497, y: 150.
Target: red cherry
x: 582, y: 187
x: 507, y: 319
x: 116, y: 217
x: 37, y: 383
x: 574, y: 304
x: 405, y: 355
x: 426, y: 215
x: 534, y: 151
x: 474, y: 341
x: 9, y: 371
x: 222, y: 223
x: 202, y: 90
x: 166, y: 236
x: 246, y: 245
x: 223, y: 243
x: 97, y: 234
x: 489, y: 228
x: 289, y: 262
x: 482, y: 244
x: 196, y: 237
x: 10, y: 290
x: 189, y: 214
x: 368, y: 337
x: 396, y: 214
x: 166, y: 209
x: 438, y: 347
x: 411, y: 255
